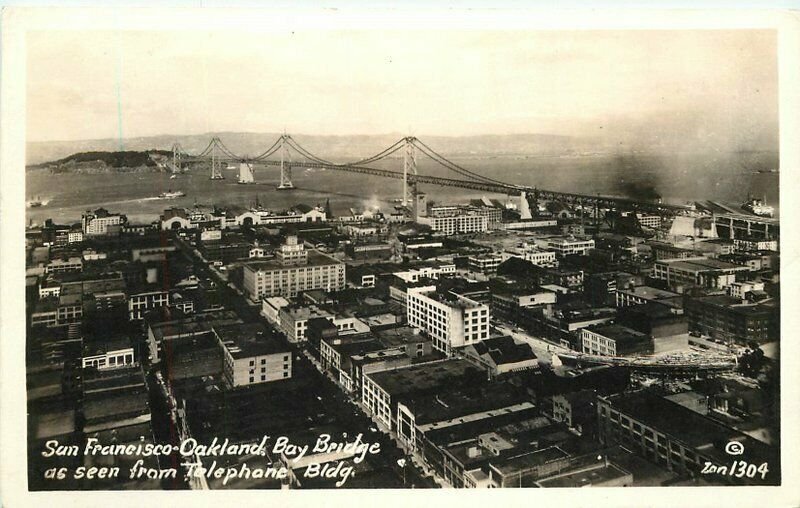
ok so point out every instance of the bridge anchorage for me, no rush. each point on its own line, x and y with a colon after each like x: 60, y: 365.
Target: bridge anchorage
x: 217, y: 153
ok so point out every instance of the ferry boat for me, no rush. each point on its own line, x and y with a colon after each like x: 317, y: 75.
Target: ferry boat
x: 171, y: 195
x: 759, y: 207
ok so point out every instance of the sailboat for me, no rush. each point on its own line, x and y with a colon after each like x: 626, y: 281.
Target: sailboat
x: 246, y: 173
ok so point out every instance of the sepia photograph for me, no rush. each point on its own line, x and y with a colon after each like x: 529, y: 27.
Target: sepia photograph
x: 336, y: 256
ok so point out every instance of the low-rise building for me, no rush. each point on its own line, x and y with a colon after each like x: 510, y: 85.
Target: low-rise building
x: 637, y: 295
x: 740, y: 290
x: 64, y: 265
x: 484, y: 263
x: 754, y: 244
x: 501, y: 355
x: 696, y: 272
x: 457, y: 224
x: 381, y: 391
x: 679, y: 439
x: 570, y: 245
x: 614, y: 340
x: 539, y: 257
x: 731, y: 319
x: 108, y: 354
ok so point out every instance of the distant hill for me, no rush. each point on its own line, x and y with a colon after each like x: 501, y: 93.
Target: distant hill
x: 335, y: 148
x: 97, y: 161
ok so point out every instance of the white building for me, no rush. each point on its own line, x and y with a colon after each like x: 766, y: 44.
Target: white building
x: 484, y: 263
x: 740, y: 289
x: 98, y: 222
x: 649, y: 221
x: 294, y: 270
x: 110, y: 359
x: 74, y: 236
x: 210, y: 235
x: 466, y: 223
x: 539, y: 257
x: 430, y: 272
x: 451, y: 320
x: 72, y: 264
x: 569, y: 245
x: 271, y: 307
x: 754, y: 244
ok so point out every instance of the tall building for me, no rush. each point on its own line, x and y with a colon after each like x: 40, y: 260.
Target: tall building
x: 451, y: 320
x: 294, y: 270
x: 98, y: 222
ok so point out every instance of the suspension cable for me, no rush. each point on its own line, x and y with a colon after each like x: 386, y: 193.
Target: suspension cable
x: 453, y: 166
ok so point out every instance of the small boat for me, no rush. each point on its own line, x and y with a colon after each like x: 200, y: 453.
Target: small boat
x: 34, y: 203
x: 171, y: 195
x: 173, y: 177
x: 759, y: 207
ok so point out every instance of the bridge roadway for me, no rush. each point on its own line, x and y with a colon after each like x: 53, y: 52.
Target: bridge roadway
x: 500, y: 188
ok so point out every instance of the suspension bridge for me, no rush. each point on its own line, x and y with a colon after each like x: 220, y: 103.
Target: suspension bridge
x: 281, y: 152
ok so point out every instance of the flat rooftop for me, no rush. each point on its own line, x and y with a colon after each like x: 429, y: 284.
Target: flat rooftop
x: 247, y: 340
x: 699, y: 432
x: 704, y: 264
x: 529, y: 460
x: 315, y: 258
x: 162, y: 326
x: 399, y: 335
x: 597, y: 476
x: 620, y: 334
x: 459, y: 403
x: 420, y: 377
x: 452, y: 300
x: 650, y: 293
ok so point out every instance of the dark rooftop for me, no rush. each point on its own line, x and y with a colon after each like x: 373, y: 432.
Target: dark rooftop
x: 703, y: 434
x: 419, y: 378
x: 620, y: 334
x: 503, y: 350
x: 255, y: 339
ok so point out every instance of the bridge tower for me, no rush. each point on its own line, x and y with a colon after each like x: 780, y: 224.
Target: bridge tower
x: 216, y: 164
x: 176, y: 158
x: 409, y: 167
x: 286, y: 166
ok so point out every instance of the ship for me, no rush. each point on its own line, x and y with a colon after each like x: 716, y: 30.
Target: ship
x: 171, y: 194
x: 759, y: 207
x: 246, y: 173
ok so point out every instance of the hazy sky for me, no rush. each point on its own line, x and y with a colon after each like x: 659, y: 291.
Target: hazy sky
x: 84, y: 85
